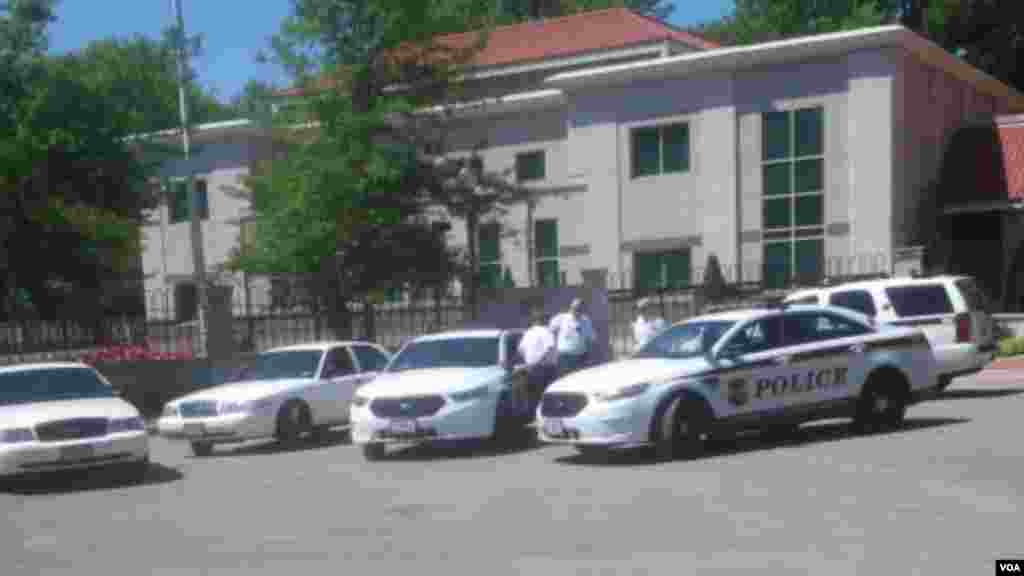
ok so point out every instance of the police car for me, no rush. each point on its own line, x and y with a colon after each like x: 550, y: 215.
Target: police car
x: 766, y: 368
x: 455, y: 385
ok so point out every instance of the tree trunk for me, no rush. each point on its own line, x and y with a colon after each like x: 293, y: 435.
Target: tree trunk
x: 369, y: 326
x: 339, y: 317
x: 472, y: 289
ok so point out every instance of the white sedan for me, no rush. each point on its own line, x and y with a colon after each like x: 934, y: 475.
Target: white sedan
x: 284, y: 393
x: 65, y: 415
x: 767, y: 369
x: 448, y: 386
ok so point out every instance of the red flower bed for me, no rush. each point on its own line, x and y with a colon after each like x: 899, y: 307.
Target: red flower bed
x: 129, y: 353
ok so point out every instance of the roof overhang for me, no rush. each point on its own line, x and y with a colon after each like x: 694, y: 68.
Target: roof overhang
x: 785, y: 51
x: 652, y: 49
x: 520, y: 102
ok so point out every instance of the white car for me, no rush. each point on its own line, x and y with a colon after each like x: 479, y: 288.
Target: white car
x: 950, y: 310
x: 449, y: 386
x: 771, y: 368
x: 66, y: 415
x: 283, y: 393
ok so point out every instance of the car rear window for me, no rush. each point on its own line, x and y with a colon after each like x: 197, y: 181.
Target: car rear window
x: 920, y: 300
x: 973, y: 296
x: 857, y: 300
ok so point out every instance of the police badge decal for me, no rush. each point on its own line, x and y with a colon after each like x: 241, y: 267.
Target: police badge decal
x: 737, y: 391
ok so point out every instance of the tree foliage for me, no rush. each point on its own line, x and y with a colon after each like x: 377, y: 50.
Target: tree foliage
x: 511, y: 11
x: 344, y: 199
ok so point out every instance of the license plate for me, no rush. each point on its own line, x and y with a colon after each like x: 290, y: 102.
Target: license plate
x: 403, y: 426
x: 553, y: 428
x: 195, y: 429
x: 74, y: 453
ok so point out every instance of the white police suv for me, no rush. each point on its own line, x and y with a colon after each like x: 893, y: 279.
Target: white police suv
x: 770, y: 368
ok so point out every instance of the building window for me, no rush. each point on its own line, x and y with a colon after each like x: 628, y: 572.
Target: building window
x: 186, y: 302
x: 530, y: 166
x: 660, y: 149
x: 180, y: 201
x: 667, y: 269
x: 793, y: 207
x: 490, y: 255
x: 545, y: 238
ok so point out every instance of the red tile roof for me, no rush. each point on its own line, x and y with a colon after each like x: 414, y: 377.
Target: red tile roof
x: 985, y: 163
x: 566, y: 36
x: 571, y: 35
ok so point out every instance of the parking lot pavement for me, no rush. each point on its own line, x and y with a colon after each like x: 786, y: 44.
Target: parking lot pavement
x: 941, y: 496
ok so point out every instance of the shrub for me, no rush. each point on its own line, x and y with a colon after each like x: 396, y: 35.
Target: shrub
x: 129, y: 353
x: 1011, y: 346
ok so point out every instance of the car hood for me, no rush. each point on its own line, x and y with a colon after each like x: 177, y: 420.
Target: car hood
x: 430, y: 381
x: 615, y: 375
x: 246, y: 390
x: 29, y: 415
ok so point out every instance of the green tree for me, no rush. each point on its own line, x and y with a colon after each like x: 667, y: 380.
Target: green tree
x: 138, y: 76
x: 344, y: 200
x: 522, y: 10
x: 756, y: 21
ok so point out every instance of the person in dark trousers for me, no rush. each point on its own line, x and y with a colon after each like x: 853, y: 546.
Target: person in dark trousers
x: 574, y: 337
x: 537, y: 349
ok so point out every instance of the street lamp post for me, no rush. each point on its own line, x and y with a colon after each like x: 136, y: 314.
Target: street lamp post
x: 198, y: 259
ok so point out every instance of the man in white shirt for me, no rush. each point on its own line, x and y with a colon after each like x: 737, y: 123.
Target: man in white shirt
x: 647, y: 324
x: 574, y: 336
x: 537, y: 349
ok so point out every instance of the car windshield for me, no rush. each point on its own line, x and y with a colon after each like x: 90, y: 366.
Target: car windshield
x: 280, y: 365
x: 685, y: 340
x: 51, y: 384
x: 477, y: 352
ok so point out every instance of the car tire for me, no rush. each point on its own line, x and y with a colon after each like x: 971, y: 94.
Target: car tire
x: 293, y: 422
x: 944, y: 382
x: 593, y: 453
x: 882, y: 404
x: 136, y: 472
x: 680, y: 430
x: 201, y: 449
x: 374, y: 451
x: 781, y: 431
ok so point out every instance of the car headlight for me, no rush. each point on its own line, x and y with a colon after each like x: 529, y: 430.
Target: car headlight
x: 358, y: 400
x: 621, y: 393
x: 169, y: 411
x: 16, y: 435
x: 471, y: 394
x: 134, y: 424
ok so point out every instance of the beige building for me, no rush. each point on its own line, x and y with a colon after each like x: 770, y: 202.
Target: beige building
x: 802, y: 158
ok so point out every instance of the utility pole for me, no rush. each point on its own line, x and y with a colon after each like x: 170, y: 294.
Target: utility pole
x: 198, y: 259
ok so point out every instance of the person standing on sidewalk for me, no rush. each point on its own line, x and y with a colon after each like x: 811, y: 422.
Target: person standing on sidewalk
x: 574, y: 337
x: 538, y: 351
x: 647, y: 325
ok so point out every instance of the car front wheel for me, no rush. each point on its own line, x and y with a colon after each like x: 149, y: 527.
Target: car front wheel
x: 202, y: 449
x: 374, y: 451
x: 681, y: 429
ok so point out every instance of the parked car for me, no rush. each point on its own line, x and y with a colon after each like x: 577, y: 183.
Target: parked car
x: 285, y: 393
x: 950, y: 310
x: 66, y: 415
x: 768, y: 369
x: 454, y: 385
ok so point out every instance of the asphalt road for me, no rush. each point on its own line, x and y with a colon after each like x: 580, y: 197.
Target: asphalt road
x: 942, y: 496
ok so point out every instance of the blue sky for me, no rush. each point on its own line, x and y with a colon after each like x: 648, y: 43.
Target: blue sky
x: 233, y: 31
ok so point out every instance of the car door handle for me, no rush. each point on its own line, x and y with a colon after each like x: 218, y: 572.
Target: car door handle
x: 856, y: 349
x: 782, y: 360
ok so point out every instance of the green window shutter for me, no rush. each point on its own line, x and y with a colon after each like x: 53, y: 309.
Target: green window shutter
x: 547, y: 274
x: 646, y: 152
x: 775, y: 140
x: 179, y: 201
x: 776, y: 179
x: 646, y: 271
x: 810, y: 260
x: 810, y: 210
x: 530, y: 166
x: 776, y: 213
x: 777, y: 265
x: 810, y: 131
x: 676, y: 148
x: 546, y: 238
x: 677, y: 265
x: 204, y: 201
x: 393, y: 294
x: 490, y: 242
x: 490, y: 276
x: 810, y: 176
